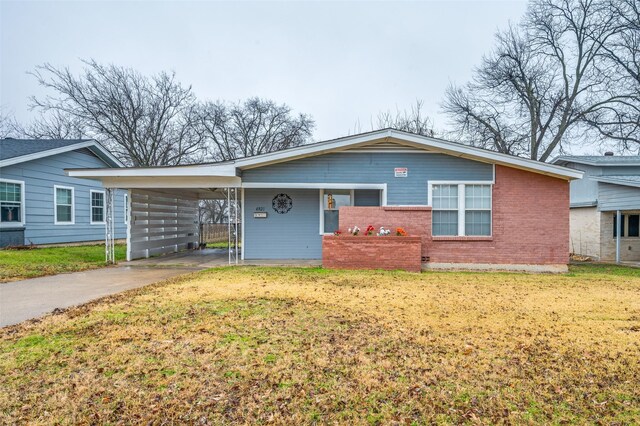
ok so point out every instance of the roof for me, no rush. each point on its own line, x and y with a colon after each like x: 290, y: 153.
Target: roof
x: 384, y: 136
x: 411, y: 140
x: 599, y: 160
x: 619, y: 180
x: 15, y: 151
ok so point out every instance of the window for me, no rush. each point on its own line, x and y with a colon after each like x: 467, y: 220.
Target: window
x: 332, y: 200
x: 629, y: 225
x: 445, y: 209
x: 461, y: 209
x: 634, y: 226
x: 97, y: 207
x: 477, y: 218
x: 11, y: 202
x: 63, y: 202
x: 126, y: 208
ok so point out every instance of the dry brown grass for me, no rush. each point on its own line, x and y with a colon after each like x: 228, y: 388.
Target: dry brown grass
x: 263, y: 345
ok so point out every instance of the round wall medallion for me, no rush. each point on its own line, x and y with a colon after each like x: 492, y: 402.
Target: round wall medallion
x: 282, y: 203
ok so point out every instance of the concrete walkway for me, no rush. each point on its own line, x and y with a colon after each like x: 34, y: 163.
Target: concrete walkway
x: 33, y: 298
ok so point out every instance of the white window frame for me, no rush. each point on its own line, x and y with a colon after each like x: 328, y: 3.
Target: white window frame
x: 322, y: 191
x: 23, y: 216
x: 55, y: 205
x: 461, y: 204
x: 125, y: 210
x: 91, y: 207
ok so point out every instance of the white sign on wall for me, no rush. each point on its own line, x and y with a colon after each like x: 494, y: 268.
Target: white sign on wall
x: 401, y: 172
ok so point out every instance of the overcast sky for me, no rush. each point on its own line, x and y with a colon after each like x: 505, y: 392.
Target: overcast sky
x: 341, y: 62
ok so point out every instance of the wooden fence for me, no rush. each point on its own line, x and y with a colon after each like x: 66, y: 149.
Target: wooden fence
x: 214, y: 232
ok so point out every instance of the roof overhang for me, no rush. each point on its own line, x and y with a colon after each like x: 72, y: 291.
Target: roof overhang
x: 617, y: 181
x: 195, y: 176
x: 567, y: 159
x: 92, y: 145
x: 409, y: 139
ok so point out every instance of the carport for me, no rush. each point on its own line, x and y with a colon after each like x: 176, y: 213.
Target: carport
x: 162, y: 206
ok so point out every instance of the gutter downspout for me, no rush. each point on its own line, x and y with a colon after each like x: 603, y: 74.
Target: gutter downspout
x: 618, y: 230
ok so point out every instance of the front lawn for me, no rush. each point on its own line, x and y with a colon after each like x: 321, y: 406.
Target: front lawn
x: 37, y: 262
x: 307, y: 345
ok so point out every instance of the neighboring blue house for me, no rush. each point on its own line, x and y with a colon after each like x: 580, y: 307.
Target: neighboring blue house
x: 40, y: 204
x: 610, y: 190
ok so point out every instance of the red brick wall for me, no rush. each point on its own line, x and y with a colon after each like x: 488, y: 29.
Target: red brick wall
x: 530, y: 223
x: 371, y: 252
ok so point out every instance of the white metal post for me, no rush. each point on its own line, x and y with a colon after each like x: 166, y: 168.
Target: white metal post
x: 235, y: 233
x: 229, y: 222
x: 618, y: 231
x: 129, y: 224
x: 109, y: 226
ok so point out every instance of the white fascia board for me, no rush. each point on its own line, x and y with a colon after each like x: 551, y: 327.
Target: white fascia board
x: 226, y: 170
x: 98, y: 147
x: 61, y: 150
x: 297, y: 185
x: 185, y: 182
x: 450, y: 148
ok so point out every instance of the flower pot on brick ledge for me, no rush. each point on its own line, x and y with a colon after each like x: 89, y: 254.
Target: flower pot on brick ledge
x: 371, y: 252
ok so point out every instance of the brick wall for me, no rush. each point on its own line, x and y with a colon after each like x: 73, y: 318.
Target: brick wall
x: 530, y: 223
x: 371, y: 252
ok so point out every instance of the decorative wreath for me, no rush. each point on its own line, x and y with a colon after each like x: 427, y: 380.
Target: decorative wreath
x: 282, y: 203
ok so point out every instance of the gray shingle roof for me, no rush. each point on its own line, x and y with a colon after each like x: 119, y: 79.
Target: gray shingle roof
x: 600, y: 160
x: 11, y: 148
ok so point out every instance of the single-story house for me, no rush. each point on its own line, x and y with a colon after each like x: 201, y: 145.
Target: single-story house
x: 605, y: 206
x: 40, y: 204
x: 466, y: 206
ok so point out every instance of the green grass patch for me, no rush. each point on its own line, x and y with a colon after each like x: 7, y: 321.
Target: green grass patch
x: 38, y: 262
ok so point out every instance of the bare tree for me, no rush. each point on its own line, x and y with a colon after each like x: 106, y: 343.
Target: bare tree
x: 55, y: 125
x: 145, y: 121
x: 412, y: 121
x: 213, y: 211
x: 620, y: 121
x: 532, y: 94
x: 253, y: 127
x: 9, y: 126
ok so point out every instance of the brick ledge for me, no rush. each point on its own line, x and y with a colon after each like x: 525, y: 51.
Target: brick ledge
x: 406, y: 208
x: 469, y: 238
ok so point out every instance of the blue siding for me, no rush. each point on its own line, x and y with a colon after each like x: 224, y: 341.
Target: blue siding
x: 375, y: 168
x: 618, y: 197
x: 39, y: 177
x: 585, y: 190
x: 294, y: 235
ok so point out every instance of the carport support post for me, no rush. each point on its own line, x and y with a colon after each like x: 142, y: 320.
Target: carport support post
x: 618, y: 230
x: 109, y: 225
x: 229, y: 222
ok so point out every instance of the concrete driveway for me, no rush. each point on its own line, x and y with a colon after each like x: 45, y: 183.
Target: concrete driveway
x: 33, y: 298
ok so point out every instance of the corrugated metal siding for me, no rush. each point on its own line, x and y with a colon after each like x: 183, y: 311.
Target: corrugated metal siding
x: 618, y: 197
x: 375, y: 168
x: 40, y: 176
x: 294, y: 235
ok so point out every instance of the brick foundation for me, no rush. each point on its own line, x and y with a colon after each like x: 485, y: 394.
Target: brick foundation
x: 530, y: 224
x: 371, y: 252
